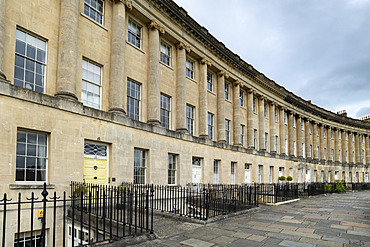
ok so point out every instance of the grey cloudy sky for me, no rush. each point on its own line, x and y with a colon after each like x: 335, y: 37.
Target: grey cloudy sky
x: 318, y: 49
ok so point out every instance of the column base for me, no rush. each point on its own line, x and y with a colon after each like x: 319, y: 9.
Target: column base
x: 117, y: 110
x: 204, y: 136
x: 154, y: 122
x: 222, y: 141
x: 66, y: 95
x: 182, y: 130
x: 2, y: 75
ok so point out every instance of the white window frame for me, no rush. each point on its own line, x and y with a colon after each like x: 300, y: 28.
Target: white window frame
x: 137, y: 37
x: 242, y: 98
x: 294, y: 119
x: 232, y: 172
x: 29, y: 39
x: 285, y: 118
x: 227, y: 91
x: 138, y: 177
x: 210, y: 84
x: 172, y: 170
x: 90, y: 7
x: 190, y: 68
x: 242, y: 134
x: 254, y: 105
x: 190, y: 120
x: 137, y: 100
x: 227, y: 130
x: 26, y: 237
x: 216, y: 171
x: 165, y: 112
x: 276, y: 144
x: 88, y: 82
x: 265, y: 110
x: 255, y: 138
x: 165, y: 55
x: 36, y: 156
x: 211, y: 126
x: 276, y: 115
x: 266, y: 141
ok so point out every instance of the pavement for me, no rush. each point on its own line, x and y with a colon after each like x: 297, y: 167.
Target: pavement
x: 325, y: 220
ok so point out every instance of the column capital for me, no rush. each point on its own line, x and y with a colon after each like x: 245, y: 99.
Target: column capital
x: 203, y: 60
x: 237, y: 83
x: 181, y: 46
x: 128, y: 3
x: 154, y: 25
x: 223, y: 73
x: 252, y: 91
x: 263, y: 98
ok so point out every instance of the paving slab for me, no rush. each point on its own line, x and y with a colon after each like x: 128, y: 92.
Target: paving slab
x: 330, y: 221
x: 196, y: 243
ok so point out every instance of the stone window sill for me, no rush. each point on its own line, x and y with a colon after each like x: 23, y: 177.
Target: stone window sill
x: 167, y: 66
x: 93, y: 21
x: 30, y: 186
x: 137, y: 48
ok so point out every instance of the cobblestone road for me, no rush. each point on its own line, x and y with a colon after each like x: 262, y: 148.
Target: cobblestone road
x: 332, y: 220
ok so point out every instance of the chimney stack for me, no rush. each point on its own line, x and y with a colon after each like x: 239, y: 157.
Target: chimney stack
x: 342, y: 113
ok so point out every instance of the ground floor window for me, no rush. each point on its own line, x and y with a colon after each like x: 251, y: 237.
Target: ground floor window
x: 233, y: 164
x: 260, y: 174
x: 31, y: 162
x: 171, y: 169
x: 25, y: 239
x: 139, y: 166
x: 216, y: 164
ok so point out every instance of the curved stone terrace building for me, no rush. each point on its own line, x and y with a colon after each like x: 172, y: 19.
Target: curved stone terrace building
x: 137, y: 91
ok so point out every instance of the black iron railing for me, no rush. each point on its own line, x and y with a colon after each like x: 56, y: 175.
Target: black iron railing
x: 200, y: 201
x: 90, y: 215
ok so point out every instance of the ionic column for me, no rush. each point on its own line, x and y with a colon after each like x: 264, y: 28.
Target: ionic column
x: 118, y: 85
x: 250, y: 127
x: 291, y: 136
x: 336, y: 145
x: 221, y: 106
x: 2, y: 37
x: 181, y: 87
x: 261, y: 124
x: 350, y: 148
x: 236, y: 106
x: 328, y: 147
x: 299, y: 138
x: 272, y: 128
x: 367, y: 150
x: 322, y: 142
x: 307, y: 138
x: 358, y: 149
x: 315, y: 141
x: 153, y: 83
x: 282, y: 131
x: 344, y: 146
x: 203, y: 102
x: 67, y: 50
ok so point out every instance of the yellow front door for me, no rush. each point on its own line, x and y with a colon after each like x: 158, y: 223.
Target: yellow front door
x: 95, y: 171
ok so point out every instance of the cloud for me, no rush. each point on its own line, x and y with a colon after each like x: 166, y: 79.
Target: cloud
x: 318, y: 50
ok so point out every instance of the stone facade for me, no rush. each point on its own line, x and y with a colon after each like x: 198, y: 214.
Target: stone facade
x: 158, y: 46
